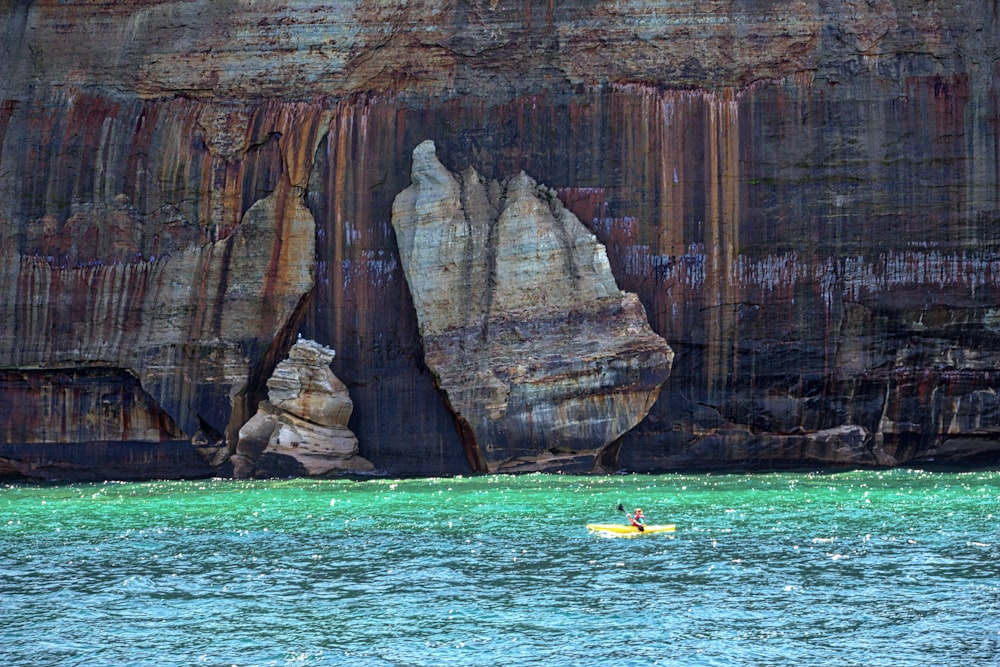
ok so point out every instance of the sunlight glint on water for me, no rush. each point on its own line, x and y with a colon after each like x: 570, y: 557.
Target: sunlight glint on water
x: 861, y: 568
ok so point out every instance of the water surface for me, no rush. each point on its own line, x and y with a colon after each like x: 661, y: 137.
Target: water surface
x: 860, y: 568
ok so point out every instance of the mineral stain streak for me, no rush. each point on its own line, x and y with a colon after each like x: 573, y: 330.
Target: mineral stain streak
x: 543, y: 360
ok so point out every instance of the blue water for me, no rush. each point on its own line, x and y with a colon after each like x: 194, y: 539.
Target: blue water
x: 861, y: 568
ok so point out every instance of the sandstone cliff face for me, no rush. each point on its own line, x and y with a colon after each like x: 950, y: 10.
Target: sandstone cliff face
x: 301, y: 429
x: 132, y: 284
x: 803, y: 195
x: 253, y: 49
x: 544, y: 361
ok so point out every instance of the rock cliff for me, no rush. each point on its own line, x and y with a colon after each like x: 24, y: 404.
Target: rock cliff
x: 804, y: 197
x: 543, y: 360
x: 189, y: 312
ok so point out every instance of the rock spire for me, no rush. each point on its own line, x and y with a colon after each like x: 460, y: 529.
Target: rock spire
x: 543, y: 360
x: 302, y: 428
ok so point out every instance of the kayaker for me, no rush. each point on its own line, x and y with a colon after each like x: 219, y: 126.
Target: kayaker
x: 638, y: 520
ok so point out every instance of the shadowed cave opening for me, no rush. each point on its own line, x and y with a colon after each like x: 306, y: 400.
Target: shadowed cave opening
x: 88, y: 423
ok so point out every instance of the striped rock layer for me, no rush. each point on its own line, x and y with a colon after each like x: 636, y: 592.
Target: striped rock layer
x: 543, y: 360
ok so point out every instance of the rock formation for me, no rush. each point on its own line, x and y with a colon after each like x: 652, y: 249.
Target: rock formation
x: 188, y: 320
x: 804, y: 196
x: 544, y: 361
x: 301, y: 429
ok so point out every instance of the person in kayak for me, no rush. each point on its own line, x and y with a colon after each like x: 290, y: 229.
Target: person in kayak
x: 638, y: 520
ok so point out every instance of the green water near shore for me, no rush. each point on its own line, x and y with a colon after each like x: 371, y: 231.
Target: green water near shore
x: 859, y: 568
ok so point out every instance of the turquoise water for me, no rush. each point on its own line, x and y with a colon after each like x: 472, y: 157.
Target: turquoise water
x: 861, y: 568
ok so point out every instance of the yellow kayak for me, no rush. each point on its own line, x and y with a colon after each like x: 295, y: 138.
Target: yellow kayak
x: 619, y: 529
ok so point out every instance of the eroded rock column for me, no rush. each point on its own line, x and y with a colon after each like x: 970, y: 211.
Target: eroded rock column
x: 302, y: 428
x: 542, y: 359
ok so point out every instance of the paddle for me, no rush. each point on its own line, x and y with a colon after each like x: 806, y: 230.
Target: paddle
x: 636, y: 524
